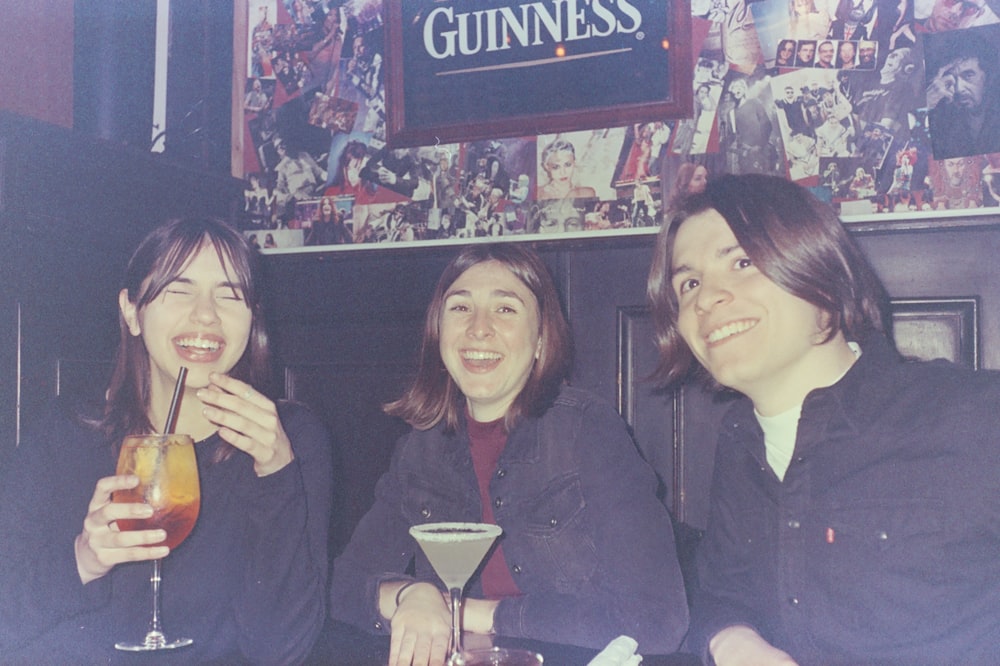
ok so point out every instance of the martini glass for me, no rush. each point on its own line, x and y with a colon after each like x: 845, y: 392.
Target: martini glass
x: 455, y: 550
x: 496, y: 657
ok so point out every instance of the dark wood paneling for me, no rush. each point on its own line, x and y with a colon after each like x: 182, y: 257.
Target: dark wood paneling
x: 945, y: 264
x: 349, y: 397
x: 345, y: 329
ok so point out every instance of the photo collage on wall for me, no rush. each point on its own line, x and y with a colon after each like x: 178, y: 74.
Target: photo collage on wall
x: 878, y: 106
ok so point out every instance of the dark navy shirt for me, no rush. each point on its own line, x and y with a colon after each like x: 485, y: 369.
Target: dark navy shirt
x: 882, y: 545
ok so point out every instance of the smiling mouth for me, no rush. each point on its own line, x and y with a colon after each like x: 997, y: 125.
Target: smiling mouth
x: 729, y: 330
x: 480, y: 360
x: 476, y: 355
x: 199, y: 344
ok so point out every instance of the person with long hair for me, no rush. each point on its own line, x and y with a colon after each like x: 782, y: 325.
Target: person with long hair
x: 248, y: 585
x: 324, y: 57
x: 587, y: 551
x: 328, y: 226
x: 691, y: 178
x: 348, y: 178
x: 784, y: 55
x: 853, y: 516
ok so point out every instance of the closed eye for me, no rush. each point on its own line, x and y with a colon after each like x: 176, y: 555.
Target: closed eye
x: 177, y: 291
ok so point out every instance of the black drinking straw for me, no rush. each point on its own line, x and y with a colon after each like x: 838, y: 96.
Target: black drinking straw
x: 175, y: 402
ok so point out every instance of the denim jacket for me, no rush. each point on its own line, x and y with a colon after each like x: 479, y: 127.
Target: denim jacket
x: 585, y: 538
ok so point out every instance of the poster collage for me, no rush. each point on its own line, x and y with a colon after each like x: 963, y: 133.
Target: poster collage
x: 878, y: 106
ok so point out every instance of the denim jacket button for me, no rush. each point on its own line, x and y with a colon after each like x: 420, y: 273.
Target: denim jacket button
x: 794, y: 524
x: 378, y: 626
x: 498, y: 502
x: 501, y: 473
x: 516, y: 569
x: 553, y: 522
x: 425, y: 512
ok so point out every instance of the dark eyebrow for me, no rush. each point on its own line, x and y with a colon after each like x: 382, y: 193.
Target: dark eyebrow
x: 721, y: 253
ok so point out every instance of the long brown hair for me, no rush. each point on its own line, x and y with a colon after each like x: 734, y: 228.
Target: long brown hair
x: 794, y: 239
x: 434, y: 396
x: 159, y: 259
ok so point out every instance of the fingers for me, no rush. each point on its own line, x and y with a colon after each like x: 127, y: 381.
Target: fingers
x: 230, y: 403
x: 102, y: 543
x: 108, y: 485
x: 408, y: 648
x: 101, y: 522
x: 240, y: 393
x: 421, y: 629
x: 248, y: 420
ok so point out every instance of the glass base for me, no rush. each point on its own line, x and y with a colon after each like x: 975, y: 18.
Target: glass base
x: 154, y: 641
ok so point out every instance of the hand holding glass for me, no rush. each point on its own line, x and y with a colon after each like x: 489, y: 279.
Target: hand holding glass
x: 455, y: 550
x: 168, y: 482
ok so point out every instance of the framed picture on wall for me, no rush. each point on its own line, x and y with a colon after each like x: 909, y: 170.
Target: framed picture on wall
x: 931, y: 328
x: 458, y: 72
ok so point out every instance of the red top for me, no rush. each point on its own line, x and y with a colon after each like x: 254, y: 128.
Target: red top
x: 488, y: 440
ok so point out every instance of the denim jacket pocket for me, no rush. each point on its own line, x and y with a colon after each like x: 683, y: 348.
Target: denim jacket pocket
x: 556, y: 525
x: 432, y: 500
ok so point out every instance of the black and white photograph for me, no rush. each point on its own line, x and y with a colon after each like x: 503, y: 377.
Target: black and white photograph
x: 963, y: 91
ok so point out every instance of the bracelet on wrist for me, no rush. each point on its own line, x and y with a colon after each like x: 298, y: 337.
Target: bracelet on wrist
x: 404, y: 587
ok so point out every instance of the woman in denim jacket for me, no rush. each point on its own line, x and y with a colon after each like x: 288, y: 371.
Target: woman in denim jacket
x: 587, y: 551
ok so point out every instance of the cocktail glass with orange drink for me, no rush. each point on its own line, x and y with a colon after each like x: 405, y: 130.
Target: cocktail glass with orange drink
x: 168, y: 482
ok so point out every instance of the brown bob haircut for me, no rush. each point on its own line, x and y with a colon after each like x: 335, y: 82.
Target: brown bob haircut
x: 794, y: 239
x: 434, y: 396
x: 159, y: 259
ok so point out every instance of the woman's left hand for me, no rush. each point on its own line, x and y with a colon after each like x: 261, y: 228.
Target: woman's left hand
x: 248, y: 420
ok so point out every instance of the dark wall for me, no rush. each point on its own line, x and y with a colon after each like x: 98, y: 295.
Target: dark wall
x: 72, y: 210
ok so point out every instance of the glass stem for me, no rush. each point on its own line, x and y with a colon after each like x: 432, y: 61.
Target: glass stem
x: 456, y: 619
x: 154, y: 624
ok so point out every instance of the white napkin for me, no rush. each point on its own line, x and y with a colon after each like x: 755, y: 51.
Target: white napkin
x: 619, y: 652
